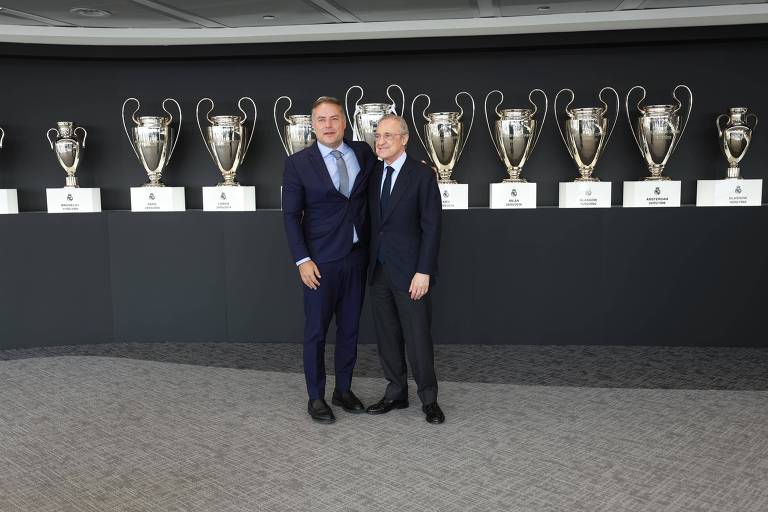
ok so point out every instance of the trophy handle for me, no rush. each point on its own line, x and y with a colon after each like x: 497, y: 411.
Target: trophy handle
x: 136, y: 121
x: 416, y: 125
x: 245, y: 118
x: 285, y: 116
x: 717, y: 123
x: 746, y: 120
x: 2, y: 137
x: 554, y: 106
x: 488, y: 122
x: 393, y: 106
x: 471, y: 122
x: 536, y: 109
x: 178, y: 130
x: 680, y: 105
x: 355, y: 135
x: 48, y: 135
x: 85, y: 133
x: 200, y: 128
x: 618, y: 109
x: 629, y: 118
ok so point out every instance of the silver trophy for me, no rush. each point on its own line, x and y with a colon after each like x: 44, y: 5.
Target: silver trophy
x: 151, y: 138
x: 366, y: 116
x: 225, y: 138
x: 67, y: 146
x: 444, y: 134
x: 515, y: 133
x: 297, y: 134
x: 735, y: 137
x: 658, y: 130
x: 587, y: 132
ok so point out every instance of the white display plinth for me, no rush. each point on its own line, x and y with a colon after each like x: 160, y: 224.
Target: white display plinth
x: 513, y: 195
x: 157, y: 199
x: 732, y: 192
x: 585, y: 194
x: 9, y: 201
x: 73, y: 200
x: 455, y: 196
x: 652, y: 194
x: 229, y: 199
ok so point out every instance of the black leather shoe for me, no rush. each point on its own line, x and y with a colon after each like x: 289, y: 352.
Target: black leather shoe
x: 347, y: 401
x: 434, y: 413
x: 320, y: 411
x: 385, y: 405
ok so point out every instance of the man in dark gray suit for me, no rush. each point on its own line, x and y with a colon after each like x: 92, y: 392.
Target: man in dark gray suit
x: 405, y: 211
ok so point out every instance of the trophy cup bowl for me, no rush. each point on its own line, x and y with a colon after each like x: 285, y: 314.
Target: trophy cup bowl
x: 152, y: 139
x: 297, y: 133
x: 67, y: 147
x: 658, y: 129
x: 515, y: 133
x: 366, y: 116
x: 735, y: 137
x: 585, y: 132
x: 225, y: 139
x: 444, y: 136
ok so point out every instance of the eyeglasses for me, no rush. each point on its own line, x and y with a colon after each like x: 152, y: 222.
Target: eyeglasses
x: 387, y: 136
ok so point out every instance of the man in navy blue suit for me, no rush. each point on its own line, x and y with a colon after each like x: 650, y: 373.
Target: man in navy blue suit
x: 325, y: 193
x: 405, y: 210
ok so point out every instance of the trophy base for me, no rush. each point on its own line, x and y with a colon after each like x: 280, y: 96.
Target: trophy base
x: 657, y: 178
x: 228, y: 184
x: 455, y: 196
x: 585, y: 194
x: 514, y: 180
x: 651, y: 194
x: 73, y: 200
x: 586, y: 179
x: 513, y: 195
x: 157, y: 199
x: 71, y: 182
x: 226, y: 198
x: 729, y: 192
x: 446, y: 182
x: 9, y: 201
x: 734, y: 173
x: 156, y: 184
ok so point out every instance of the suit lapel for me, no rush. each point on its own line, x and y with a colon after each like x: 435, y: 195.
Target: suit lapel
x: 378, y: 175
x: 401, y: 185
x: 362, y: 174
x: 319, y: 165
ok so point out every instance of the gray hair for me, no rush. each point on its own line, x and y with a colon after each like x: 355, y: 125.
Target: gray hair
x: 400, y: 120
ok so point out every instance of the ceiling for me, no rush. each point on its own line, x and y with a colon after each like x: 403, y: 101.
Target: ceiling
x: 212, y: 21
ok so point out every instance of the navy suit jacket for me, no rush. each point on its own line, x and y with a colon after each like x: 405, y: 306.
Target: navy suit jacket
x: 318, y: 218
x: 408, y: 232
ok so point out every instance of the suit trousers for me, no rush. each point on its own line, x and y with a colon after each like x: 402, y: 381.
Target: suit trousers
x: 403, y: 326
x: 341, y: 290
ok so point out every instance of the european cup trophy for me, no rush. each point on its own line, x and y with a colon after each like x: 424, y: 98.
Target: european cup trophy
x: 152, y: 140
x: 515, y: 133
x: 735, y: 137
x: 658, y: 130
x: 67, y: 146
x: 366, y: 116
x: 585, y: 132
x: 225, y: 138
x: 444, y: 135
x: 297, y: 133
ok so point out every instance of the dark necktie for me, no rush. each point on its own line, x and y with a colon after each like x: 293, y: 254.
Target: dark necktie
x: 386, y: 191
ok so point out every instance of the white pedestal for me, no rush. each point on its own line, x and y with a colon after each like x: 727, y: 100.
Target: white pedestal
x: 733, y: 192
x: 157, y: 199
x: 229, y: 199
x: 9, y: 201
x: 455, y: 195
x: 585, y: 194
x: 651, y: 194
x: 73, y: 200
x: 513, y: 195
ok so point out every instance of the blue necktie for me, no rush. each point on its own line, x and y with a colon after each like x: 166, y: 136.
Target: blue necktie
x: 386, y: 191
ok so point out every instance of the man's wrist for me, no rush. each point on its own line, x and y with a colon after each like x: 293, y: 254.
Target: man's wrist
x: 303, y: 260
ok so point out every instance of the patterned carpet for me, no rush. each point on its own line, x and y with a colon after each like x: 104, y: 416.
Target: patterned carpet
x: 598, y: 429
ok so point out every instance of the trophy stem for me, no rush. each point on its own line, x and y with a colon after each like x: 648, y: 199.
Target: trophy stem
x: 229, y: 181
x: 71, y: 182
x: 656, y: 175
x: 514, y: 177
x: 154, y: 180
x: 734, y: 173
x: 586, y: 175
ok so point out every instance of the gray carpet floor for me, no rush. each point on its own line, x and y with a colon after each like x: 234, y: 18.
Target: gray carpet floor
x: 97, y: 434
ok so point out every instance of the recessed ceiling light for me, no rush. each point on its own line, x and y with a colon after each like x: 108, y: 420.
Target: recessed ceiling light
x: 269, y: 16
x: 90, y: 13
x: 543, y: 8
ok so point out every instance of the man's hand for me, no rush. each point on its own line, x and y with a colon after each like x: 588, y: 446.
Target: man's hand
x: 310, y: 274
x: 419, y: 286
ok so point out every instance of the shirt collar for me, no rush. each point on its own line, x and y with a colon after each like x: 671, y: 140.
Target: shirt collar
x: 325, y: 150
x: 397, y: 164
